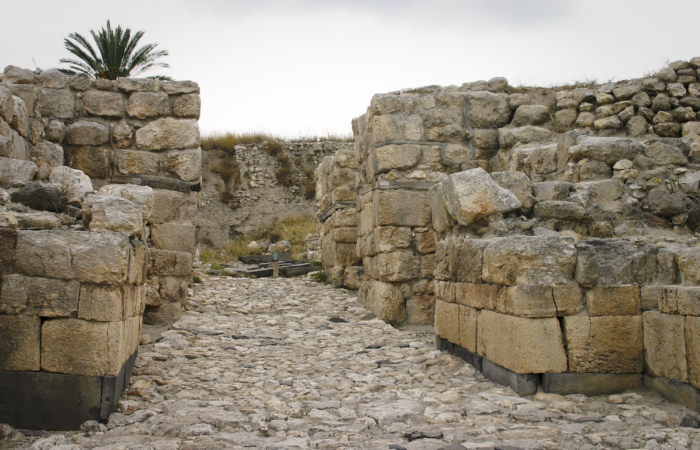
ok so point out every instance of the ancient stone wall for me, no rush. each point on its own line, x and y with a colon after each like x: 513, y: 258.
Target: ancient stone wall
x: 76, y: 270
x: 336, y: 209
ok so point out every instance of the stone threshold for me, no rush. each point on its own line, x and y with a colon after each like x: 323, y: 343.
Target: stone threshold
x: 590, y: 384
x: 60, y: 402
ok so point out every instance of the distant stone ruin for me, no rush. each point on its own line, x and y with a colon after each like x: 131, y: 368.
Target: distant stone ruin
x: 99, y: 186
x: 549, y: 236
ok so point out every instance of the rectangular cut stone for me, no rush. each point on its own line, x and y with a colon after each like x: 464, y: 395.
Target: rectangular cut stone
x: 73, y: 255
x: 394, y: 156
x: 401, y: 208
x: 344, y: 218
x: 521, y: 345
x: 101, y: 302
x: 345, y: 234
x: 137, y: 262
x: 386, y: 302
x: 604, y: 344
x: 19, y: 342
x: 692, y: 345
x: 175, y: 236
x: 134, y: 298
x: 441, y: 220
x: 664, y: 346
x: 491, y: 296
x: 390, y: 239
x: 44, y: 297
x: 468, y: 323
x: 8, y: 242
x: 346, y: 254
x: 466, y: 258
x: 568, y: 299
x: 529, y: 260
x: 398, y: 266
x: 530, y: 301
x: 427, y: 266
x: 81, y: 347
x: 425, y: 241
x: 684, y: 300
x: 651, y: 297
x: 447, y: 320
x: 172, y: 206
x: 169, y: 263
x: 614, y: 301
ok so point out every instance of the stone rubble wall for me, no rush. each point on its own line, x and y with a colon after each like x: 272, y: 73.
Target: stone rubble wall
x: 133, y: 131
x: 80, y: 263
x: 336, y: 208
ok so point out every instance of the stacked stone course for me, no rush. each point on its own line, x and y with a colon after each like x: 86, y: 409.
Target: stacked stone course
x: 76, y: 273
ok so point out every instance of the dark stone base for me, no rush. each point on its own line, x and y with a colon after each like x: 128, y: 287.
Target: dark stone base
x: 590, y: 383
x: 55, y: 401
x: 675, y: 391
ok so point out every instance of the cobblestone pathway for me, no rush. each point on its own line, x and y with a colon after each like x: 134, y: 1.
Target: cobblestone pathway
x: 289, y: 363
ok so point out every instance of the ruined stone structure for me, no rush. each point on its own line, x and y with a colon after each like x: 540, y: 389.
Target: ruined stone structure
x: 552, y: 231
x: 98, y: 197
x: 336, y: 209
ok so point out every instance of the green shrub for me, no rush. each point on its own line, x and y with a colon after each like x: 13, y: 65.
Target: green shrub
x: 196, y: 279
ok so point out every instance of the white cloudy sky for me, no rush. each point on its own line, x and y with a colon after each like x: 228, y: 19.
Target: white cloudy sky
x: 309, y: 66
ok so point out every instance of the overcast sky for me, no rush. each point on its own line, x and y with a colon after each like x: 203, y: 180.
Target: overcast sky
x: 295, y: 67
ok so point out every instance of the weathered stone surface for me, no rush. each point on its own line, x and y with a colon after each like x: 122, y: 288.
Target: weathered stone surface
x: 85, y: 132
x: 44, y: 297
x: 144, y: 196
x: 19, y: 342
x: 136, y: 85
x: 134, y: 162
x: 398, y: 266
x: 184, y: 164
x: 166, y: 313
x: 682, y: 300
x: 58, y: 103
x: 692, y: 345
x: 385, y: 300
x: 521, y: 345
x: 104, y: 104
x: 188, y: 105
x: 81, y: 347
x: 472, y: 195
x: 20, y: 116
x: 689, y: 265
x: 562, y: 210
x: 440, y: 218
x: 604, y: 344
x: 665, y: 154
x: 487, y: 110
x: 39, y: 196
x: 73, y: 255
x: 390, y: 239
x: 602, y: 190
x: 664, y: 346
x: 171, y: 206
x: 530, y: 115
x: 529, y: 260
x: 530, y: 301
x: 607, y: 262
x: 661, y: 202
x: 447, y: 321
x: 519, y: 184
x: 425, y: 241
x: 46, y: 156
x: 552, y: 190
x: 73, y: 183
x: 96, y: 162
x: 17, y: 75
x: 609, y: 150
x: 508, y: 137
x: 401, y: 208
x: 147, y: 105
x: 169, y: 263
x: 180, y: 87
x: 168, y: 133
x: 568, y: 299
x: 101, y: 303
x: 627, y: 91
x: 176, y: 236
x: 353, y: 277
x: 614, y: 301
x: 109, y: 213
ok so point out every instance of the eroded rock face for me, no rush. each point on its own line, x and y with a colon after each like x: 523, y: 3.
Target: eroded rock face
x: 73, y: 183
x: 109, y: 213
x: 168, y: 133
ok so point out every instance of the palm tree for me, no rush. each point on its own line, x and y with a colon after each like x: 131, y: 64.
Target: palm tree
x: 118, y: 55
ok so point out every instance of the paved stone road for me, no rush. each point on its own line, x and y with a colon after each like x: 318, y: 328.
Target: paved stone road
x: 289, y: 363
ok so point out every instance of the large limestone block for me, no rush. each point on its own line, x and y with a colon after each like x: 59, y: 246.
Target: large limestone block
x: 73, y: 255
x: 608, y: 262
x: 521, y: 345
x: 14, y: 172
x: 607, y: 149
x: 562, y: 210
x: 425, y: 241
x: 8, y: 243
x: 19, y: 343
x: 57, y: 103
x: 169, y: 206
x: 466, y: 259
x: 440, y: 218
x: 343, y: 194
x: 519, y: 184
x: 85, y: 132
x: 420, y: 310
x: 346, y: 254
x: 138, y: 260
x: 692, y: 344
x: 398, y: 266
x: 530, y: 115
x: 176, y: 236
x: 401, y: 208
x: 509, y: 137
x: 165, y: 314
x: 604, y: 344
x: 614, y: 301
x: 427, y: 265
x: 344, y: 218
x: 168, y: 133
x: 529, y: 260
x: 7, y: 104
x: 188, y: 105
x: 689, y: 265
x: 35, y: 296
x: 664, y: 346
x: 101, y: 302
x: 134, y: 162
x: 180, y: 87
x: 530, y: 301
x: 472, y: 195
x: 683, y: 300
x: 117, y: 214
x: 386, y: 302
x: 147, y: 105
x: 185, y: 165
x: 487, y: 110
x: 601, y: 190
x: 353, y: 277
x: 390, y: 239
x: 96, y: 162
x: 81, y: 347
x: 104, y: 104
x: 468, y: 327
x: 134, y: 300
x: 173, y: 289
x: 73, y: 183
x: 143, y: 196
x: 17, y: 75
x: 136, y: 85
x: 447, y: 321
x: 568, y: 298
x: 20, y: 116
x: 169, y: 263
x: 47, y: 156
x: 394, y: 156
